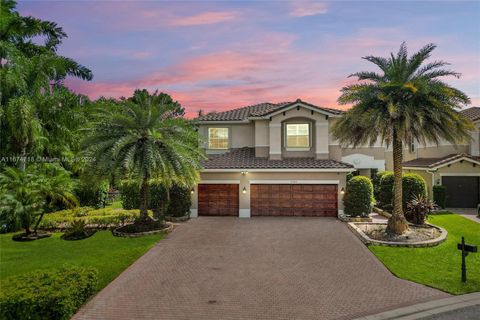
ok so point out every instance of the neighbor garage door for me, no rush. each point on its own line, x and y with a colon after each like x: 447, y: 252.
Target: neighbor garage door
x: 462, y: 191
x: 293, y: 200
x: 218, y: 199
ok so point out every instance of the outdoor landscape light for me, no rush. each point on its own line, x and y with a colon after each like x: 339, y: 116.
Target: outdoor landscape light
x: 244, y: 190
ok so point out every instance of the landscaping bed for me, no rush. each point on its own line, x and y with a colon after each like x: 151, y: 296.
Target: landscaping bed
x: 416, y: 236
x: 438, y: 266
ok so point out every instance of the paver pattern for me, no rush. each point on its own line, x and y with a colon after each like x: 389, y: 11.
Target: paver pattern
x: 258, y: 268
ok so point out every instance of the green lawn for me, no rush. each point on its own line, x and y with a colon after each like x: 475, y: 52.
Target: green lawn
x: 440, y: 266
x: 108, y: 254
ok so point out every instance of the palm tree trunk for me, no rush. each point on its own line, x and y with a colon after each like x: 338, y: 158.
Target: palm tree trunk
x: 144, y: 195
x: 397, y: 224
x: 23, y: 155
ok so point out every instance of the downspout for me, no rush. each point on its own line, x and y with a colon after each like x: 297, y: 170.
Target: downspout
x: 432, y: 172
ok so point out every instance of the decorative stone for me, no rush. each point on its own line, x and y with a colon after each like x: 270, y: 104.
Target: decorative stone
x: 166, y: 230
x: 359, y: 229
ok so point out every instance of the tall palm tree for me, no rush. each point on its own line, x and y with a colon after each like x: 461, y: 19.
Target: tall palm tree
x: 144, y: 138
x: 406, y: 101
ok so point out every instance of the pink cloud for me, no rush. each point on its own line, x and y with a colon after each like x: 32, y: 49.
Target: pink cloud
x: 204, y: 18
x: 308, y: 8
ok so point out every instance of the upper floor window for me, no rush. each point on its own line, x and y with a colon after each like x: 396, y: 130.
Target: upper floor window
x: 218, y: 138
x: 297, y: 135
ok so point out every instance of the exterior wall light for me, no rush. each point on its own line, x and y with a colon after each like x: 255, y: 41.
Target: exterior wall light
x: 244, y: 190
x: 244, y: 172
x: 342, y: 192
x: 192, y: 191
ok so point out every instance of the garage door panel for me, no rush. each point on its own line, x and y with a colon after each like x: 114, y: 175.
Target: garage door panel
x: 218, y: 199
x: 462, y: 191
x: 293, y: 200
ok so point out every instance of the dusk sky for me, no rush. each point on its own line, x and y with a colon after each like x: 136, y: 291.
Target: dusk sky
x: 224, y: 54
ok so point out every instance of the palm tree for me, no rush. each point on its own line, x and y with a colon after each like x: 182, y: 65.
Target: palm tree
x: 407, y: 101
x: 31, y: 76
x: 25, y: 196
x: 144, y: 138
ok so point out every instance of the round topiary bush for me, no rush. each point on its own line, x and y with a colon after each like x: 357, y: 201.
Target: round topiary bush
x: 385, y: 189
x: 413, y: 185
x: 358, y: 199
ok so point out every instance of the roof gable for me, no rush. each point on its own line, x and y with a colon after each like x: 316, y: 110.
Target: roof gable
x: 263, y: 110
x: 435, y: 163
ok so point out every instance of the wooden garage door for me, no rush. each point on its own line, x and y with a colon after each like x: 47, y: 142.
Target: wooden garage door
x: 218, y: 199
x: 293, y: 200
x: 462, y: 191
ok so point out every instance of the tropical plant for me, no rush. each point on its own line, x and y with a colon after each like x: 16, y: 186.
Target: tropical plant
x: 143, y: 138
x: 27, y: 195
x: 418, y: 209
x: 407, y: 101
x: 31, y: 78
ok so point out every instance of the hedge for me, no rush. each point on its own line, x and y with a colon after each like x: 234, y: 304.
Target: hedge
x: 180, y: 201
x: 440, y: 196
x: 358, y: 199
x: 92, y: 194
x: 412, y: 184
x: 385, y: 189
x: 130, y: 196
x: 376, y: 177
x: 49, y: 295
x: 100, y: 218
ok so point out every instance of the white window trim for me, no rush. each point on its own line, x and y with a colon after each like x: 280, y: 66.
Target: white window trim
x: 228, y: 138
x: 287, y: 148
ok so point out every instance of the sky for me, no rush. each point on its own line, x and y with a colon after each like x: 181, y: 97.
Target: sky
x: 217, y: 55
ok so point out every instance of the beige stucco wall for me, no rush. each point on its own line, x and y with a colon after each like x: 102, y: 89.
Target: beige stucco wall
x: 458, y: 168
x: 292, y: 177
x: 320, y: 134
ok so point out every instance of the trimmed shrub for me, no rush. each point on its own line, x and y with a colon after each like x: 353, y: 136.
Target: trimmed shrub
x: 101, y: 218
x: 413, y: 185
x: 376, y: 176
x: 130, y: 195
x: 92, y: 194
x: 385, y: 189
x: 158, y: 199
x: 440, y: 196
x: 46, y: 294
x: 180, y: 201
x: 358, y: 199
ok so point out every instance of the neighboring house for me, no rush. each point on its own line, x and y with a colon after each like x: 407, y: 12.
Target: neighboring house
x: 281, y: 159
x: 458, y: 169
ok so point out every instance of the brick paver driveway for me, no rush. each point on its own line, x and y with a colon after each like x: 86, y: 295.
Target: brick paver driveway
x: 259, y: 268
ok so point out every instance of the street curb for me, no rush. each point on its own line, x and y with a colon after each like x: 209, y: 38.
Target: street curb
x: 425, y: 309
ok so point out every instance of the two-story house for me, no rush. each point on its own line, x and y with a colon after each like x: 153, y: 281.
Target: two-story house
x: 281, y: 159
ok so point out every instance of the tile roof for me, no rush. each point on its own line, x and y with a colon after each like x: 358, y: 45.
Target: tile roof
x: 472, y: 113
x: 435, y: 162
x: 257, y: 110
x: 244, y: 158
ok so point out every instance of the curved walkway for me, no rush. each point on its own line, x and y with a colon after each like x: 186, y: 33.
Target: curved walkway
x: 258, y: 268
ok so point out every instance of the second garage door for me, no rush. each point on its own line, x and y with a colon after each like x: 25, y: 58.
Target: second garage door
x: 218, y: 200
x: 462, y: 191
x: 293, y: 200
